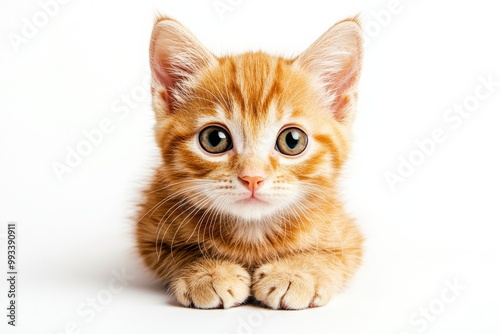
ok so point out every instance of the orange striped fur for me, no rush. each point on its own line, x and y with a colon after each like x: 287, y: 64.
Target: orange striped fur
x: 199, y: 230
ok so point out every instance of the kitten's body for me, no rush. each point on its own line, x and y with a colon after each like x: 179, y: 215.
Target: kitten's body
x: 206, y: 231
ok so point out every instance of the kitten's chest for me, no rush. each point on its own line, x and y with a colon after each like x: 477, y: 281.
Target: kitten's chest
x: 254, y: 245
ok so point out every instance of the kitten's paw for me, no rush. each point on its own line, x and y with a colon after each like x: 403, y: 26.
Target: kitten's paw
x: 281, y: 286
x: 213, y: 284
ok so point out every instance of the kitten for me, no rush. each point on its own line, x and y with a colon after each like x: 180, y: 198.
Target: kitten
x: 245, y: 201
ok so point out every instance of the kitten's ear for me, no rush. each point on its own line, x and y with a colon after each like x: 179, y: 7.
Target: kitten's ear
x: 176, y: 57
x: 335, y: 58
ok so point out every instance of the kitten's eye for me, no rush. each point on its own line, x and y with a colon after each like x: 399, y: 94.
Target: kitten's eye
x: 291, y: 141
x: 215, y: 139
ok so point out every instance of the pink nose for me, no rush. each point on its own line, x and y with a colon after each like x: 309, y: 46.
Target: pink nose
x: 251, y: 182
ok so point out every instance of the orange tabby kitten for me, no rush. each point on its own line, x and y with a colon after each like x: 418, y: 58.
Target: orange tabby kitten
x: 245, y: 202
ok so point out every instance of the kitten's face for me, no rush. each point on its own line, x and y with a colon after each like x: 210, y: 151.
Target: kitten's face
x: 251, y: 136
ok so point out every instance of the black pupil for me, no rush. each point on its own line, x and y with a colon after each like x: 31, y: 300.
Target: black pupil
x: 292, y: 139
x: 215, y: 137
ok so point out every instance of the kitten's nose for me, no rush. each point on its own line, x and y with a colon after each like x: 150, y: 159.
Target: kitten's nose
x: 251, y: 182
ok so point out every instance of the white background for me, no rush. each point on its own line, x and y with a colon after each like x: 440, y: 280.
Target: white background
x: 441, y: 225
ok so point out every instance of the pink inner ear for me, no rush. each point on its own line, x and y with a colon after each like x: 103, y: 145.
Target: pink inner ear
x: 175, y: 56
x: 166, y: 76
x: 164, y: 79
x: 161, y: 75
x: 342, y: 83
x: 340, y: 107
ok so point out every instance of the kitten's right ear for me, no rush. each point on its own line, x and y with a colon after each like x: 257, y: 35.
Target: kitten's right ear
x: 175, y: 57
x: 335, y: 58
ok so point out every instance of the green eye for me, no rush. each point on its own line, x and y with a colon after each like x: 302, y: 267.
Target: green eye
x: 291, y: 141
x: 215, y: 139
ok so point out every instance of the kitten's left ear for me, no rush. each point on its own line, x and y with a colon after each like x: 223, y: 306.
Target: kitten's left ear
x: 176, y: 57
x: 335, y: 58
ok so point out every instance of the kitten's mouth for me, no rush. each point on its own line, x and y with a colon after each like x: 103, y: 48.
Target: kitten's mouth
x: 252, y: 200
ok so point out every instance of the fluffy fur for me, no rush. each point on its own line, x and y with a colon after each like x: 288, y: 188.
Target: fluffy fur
x: 212, y: 241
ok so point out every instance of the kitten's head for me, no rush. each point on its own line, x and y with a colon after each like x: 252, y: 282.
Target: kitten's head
x: 253, y: 135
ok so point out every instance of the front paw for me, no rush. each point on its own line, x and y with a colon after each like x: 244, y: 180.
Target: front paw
x: 286, y: 286
x: 212, y: 284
